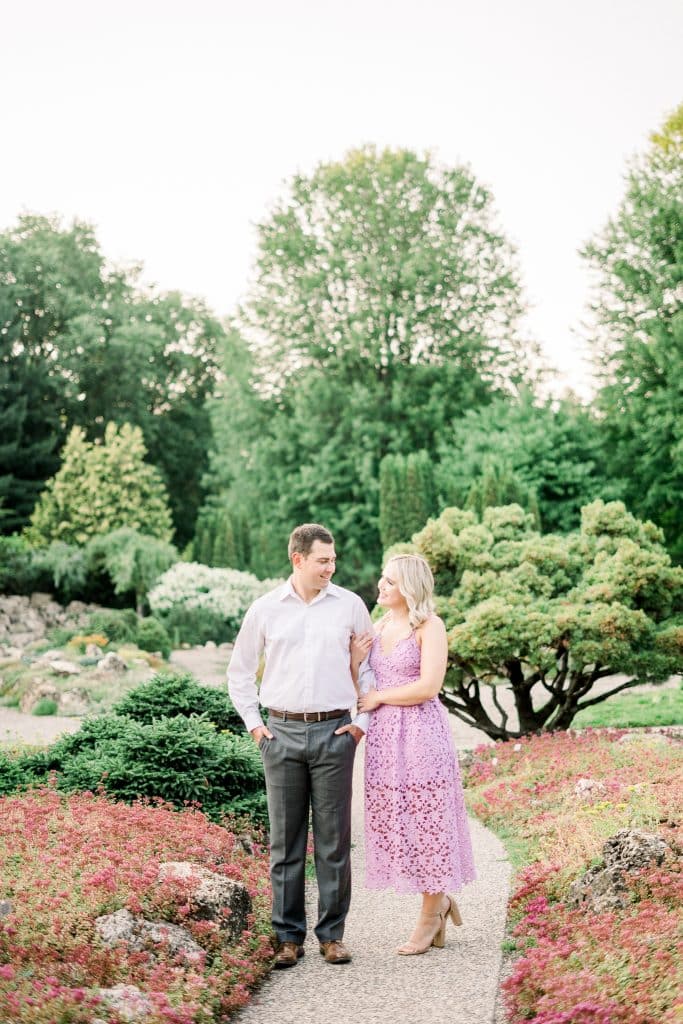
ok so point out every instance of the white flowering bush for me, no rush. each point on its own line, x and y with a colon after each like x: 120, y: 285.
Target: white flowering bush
x: 198, y: 603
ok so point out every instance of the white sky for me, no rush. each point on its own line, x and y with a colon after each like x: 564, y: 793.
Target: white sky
x: 172, y: 126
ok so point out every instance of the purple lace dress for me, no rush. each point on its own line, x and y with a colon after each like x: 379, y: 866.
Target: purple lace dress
x: 416, y: 833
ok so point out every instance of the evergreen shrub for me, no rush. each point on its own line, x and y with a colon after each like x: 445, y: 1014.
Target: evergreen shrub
x: 152, y: 635
x: 167, y: 696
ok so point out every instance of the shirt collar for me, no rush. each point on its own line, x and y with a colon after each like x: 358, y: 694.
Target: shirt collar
x: 331, y: 590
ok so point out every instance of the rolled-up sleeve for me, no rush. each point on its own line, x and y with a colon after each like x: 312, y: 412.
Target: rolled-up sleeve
x: 243, y: 668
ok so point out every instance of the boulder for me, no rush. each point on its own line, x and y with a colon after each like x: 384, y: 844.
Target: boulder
x: 127, y: 1001
x: 64, y: 667
x: 8, y: 653
x: 74, y: 702
x: 93, y: 651
x: 112, y: 663
x: 655, y: 738
x: 604, y: 887
x: 6, y: 908
x: 212, y: 895
x: 140, y: 934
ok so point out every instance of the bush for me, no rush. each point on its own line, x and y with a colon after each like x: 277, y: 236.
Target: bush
x: 180, y: 759
x: 153, y: 636
x: 17, y: 572
x: 166, y: 696
x: 45, y: 706
x: 119, y: 626
x: 65, y: 566
x: 192, y: 599
x: 14, y: 774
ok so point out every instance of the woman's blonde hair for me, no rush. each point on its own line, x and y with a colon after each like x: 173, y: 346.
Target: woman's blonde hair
x: 416, y: 583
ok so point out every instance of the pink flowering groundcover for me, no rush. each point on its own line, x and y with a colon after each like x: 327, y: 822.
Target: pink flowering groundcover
x: 65, y: 860
x: 555, y: 799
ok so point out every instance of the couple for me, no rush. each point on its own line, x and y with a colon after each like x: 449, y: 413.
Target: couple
x: 315, y: 635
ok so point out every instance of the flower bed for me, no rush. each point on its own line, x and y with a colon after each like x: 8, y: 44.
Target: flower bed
x: 64, y: 861
x: 555, y: 799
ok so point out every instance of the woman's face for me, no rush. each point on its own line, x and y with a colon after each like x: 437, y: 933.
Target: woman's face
x: 389, y: 595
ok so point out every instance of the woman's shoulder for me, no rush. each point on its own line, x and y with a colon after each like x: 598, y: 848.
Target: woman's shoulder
x: 432, y: 627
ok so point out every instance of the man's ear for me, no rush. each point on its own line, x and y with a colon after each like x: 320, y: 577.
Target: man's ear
x: 297, y: 558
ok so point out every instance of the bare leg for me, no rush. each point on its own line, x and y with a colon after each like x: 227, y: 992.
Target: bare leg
x: 430, y: 926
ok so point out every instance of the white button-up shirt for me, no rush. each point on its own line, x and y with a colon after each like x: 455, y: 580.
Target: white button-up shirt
x: 307, y: 652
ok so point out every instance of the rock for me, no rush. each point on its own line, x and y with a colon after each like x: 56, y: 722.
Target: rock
x: 50, y: 655
x: 112, y: 663
x: 604, y: 888
x: 585, y: 789
x: 38, y: 691
x: 38, y: 600
x: 63, y: 667
x: 74, y: 702
x: 632, y: 849
x: 657, y: 738
x: 140, y: 934
x: 10, y: 653
x: 212, y: 896
x: 128, y: 1002
x: 5, y: 908
x: 210, y: 645
x: 93, y: 651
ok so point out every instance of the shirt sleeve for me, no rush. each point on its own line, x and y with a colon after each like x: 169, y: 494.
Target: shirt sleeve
x: 366, y: 677
x: 243, y: 668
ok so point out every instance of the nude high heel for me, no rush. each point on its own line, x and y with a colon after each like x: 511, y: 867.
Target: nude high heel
x: 437, y: 940
x: 453, y: 911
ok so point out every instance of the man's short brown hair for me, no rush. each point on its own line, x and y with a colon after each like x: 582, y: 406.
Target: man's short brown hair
x: 302, y: 538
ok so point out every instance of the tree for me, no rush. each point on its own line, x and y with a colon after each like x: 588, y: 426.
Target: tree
x: 406, y: 495
x: 544, y: 617
x: 638, y: 339
x: 87, y: 344
x: 133, y: 560
x: 557, y: 451
x: 499, y: 485
x: 99, y: 488
x: 385, y: 302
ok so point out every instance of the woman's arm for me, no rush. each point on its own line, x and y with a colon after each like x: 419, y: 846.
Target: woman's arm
x: 433, y: 661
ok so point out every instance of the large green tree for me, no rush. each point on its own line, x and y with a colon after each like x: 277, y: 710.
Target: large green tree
x: 101, y: 348
x: 386, y: 301
x: 100, y: 487
x: 536, y: 620
x: 556, y: 451
x: 638, y: 260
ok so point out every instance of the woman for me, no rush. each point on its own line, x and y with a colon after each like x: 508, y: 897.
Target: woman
x: 417, y: 837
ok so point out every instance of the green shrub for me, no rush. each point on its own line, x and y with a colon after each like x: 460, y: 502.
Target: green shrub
x: 182, y: 760
x: 65, y: 566
x: 17, y: 572
x: 45, y: 706
x: 120, y: 626
x: 13, y: 774
x: 152, y: 636
x: 165, y: 696
x: 197, y: 625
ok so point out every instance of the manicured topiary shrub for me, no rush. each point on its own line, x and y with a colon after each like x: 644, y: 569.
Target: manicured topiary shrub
x: 152, y: 636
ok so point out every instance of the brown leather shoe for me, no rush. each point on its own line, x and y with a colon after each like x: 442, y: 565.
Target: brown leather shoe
x: 335, y: 952
x: 288, y: 954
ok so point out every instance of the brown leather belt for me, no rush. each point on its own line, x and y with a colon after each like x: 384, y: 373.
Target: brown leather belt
x: 308, y: 716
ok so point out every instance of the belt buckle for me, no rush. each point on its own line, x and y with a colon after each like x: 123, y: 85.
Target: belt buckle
x: 316, y: 716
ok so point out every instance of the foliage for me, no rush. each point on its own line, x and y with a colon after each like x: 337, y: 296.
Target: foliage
x: 181, y: 759
x: 17, y: 571
x: 166, y: 696
x: 406, y: 495
x: 556, y: 613
x: 499, y: 485
x: 152, y: 635
x: 45, y: 707
x: 65, y: 567
x: 555, y: 452
x: 385, y: 302
x: 222, y: 538
x: 577, y: 966
x: 119, y: 626
x: 133, y: 560
x: 87, y: 345
x: 192, y: 599
x: 67, y: 860
x: 638, y: 338
x: 99, y: 488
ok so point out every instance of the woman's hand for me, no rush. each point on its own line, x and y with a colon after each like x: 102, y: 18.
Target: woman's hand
x: 369, y: 701
x: 360, y: 645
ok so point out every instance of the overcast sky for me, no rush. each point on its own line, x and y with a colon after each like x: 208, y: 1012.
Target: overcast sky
x: 172, y: 126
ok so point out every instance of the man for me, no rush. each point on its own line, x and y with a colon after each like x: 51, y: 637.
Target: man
x: 304, y: 627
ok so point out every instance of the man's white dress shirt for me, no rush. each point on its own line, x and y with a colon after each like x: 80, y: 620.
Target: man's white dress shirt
x: 307, y: 652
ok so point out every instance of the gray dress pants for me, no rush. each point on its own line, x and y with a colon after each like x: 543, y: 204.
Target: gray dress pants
x: 308, y: 768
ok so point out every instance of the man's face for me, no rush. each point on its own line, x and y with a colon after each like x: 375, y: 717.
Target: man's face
x: 315, y: 570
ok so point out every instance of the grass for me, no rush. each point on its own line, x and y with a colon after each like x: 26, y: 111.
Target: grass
x: 662, y: 706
